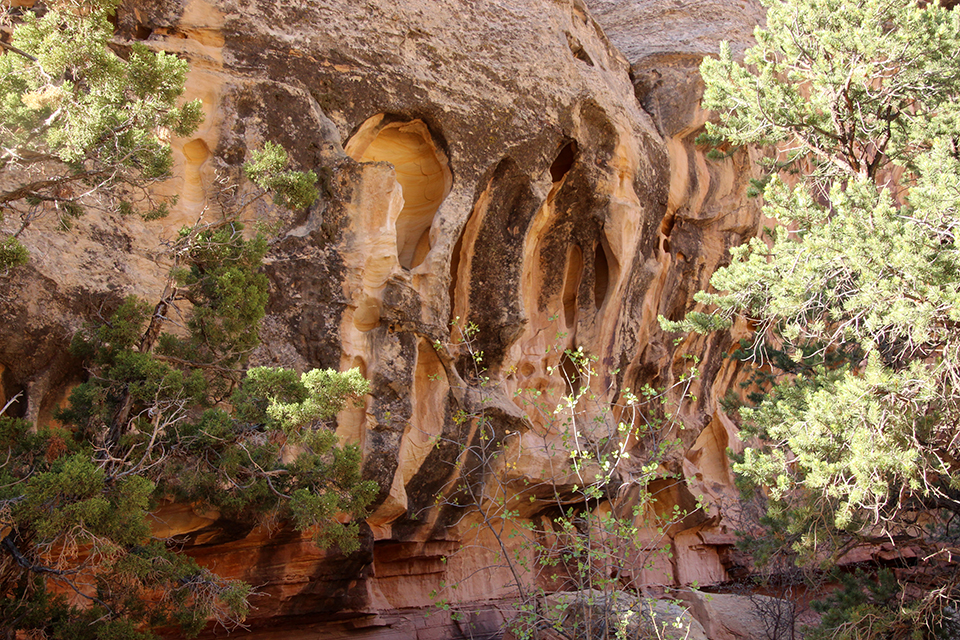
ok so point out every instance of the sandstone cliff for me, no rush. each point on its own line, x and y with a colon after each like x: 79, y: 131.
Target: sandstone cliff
x: 527, y: 166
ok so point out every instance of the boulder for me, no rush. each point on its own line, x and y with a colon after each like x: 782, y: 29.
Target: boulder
x: 727, y: 616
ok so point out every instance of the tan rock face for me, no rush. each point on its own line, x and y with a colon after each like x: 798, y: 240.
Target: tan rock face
x: 421, y: 171
x: 503, y: 165
x: 738, y: 617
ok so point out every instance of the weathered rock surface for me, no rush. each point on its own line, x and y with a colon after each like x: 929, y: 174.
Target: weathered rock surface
x: 727, y: 616
x: 526, y: 166
x: 641, y: 28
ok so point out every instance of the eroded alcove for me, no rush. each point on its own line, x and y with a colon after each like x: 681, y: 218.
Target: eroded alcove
x: 195, y: 153
x: 605, y: 272
x: 571, y: 285
x: 563, y: 162
x: 421, y: 170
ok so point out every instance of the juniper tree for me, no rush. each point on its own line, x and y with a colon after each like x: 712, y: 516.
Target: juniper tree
x: 167, y: 417
x: 855, y: 292
x: 80, y: 125
x: 168, y: 410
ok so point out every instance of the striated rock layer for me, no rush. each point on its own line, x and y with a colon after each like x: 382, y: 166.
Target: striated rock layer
x: 527, y: 167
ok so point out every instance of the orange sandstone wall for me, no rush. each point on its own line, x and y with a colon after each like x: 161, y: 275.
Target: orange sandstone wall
x: 528, y: 166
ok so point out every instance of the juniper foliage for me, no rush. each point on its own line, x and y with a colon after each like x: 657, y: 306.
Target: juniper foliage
x: 166, y: 417
x: 83, y: 126
x: 857, y: 287
x: 168, y: 410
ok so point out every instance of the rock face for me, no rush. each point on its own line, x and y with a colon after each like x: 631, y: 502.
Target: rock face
x: 727, y: 616
x: 526, y: 168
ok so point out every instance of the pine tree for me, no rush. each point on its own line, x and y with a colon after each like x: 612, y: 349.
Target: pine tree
x: 856, y: 290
